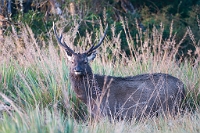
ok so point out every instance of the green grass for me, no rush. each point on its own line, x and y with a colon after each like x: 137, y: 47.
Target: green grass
x: 35, y: 94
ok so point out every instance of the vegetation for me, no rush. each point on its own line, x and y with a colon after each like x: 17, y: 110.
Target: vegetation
x: 39, y: 16
x: 35, y: 94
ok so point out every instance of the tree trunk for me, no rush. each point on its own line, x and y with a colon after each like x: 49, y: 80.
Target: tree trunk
x: 72, y: 8
x: 2, y: 23
x: 2, y: 19
x: 127, y: 6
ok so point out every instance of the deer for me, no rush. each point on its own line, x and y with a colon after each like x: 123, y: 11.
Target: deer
x: 130, y: 97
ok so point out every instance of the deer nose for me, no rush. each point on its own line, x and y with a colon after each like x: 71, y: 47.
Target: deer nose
x: 78, y: 70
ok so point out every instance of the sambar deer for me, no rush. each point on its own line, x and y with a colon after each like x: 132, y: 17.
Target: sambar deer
x: 121, y: 97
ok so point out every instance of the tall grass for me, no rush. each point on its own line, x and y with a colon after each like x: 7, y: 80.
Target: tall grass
x: 35, y: 94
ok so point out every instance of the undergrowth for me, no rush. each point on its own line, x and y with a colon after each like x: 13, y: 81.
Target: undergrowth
x: 35, y: 94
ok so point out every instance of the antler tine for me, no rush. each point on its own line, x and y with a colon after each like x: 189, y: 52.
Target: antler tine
x: 93, y: 47
x: 64, y: 45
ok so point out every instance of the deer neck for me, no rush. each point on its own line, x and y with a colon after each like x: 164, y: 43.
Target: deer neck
x: 86, y: 87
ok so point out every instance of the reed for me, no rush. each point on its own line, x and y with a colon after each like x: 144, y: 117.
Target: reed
x: 35, y: 94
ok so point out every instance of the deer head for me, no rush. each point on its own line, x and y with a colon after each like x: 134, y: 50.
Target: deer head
x: 79, y: 61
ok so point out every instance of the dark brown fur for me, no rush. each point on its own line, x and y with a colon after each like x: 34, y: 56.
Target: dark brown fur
x: 122, y: 97
x: 128, y: 97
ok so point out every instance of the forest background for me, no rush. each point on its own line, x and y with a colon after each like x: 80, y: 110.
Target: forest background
x: 146, y: 14
x: 146, y: 36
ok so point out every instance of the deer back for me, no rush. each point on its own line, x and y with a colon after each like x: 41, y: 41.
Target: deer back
x: 121, y: 97
x: 141, y: 95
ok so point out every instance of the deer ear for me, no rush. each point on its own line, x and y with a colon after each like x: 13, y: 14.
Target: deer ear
x: 91, y: 56
x: 69, y: 55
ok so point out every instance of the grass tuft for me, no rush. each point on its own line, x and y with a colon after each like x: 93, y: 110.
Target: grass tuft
x: 35, y: 94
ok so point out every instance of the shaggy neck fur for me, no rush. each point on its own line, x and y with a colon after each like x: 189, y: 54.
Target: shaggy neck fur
x: 85, y: 87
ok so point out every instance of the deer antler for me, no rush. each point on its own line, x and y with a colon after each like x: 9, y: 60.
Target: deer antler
x: 93, y: 47
x: 64, y: 45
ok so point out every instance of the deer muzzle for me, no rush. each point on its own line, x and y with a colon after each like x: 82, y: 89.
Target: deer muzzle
x: 78, y: 70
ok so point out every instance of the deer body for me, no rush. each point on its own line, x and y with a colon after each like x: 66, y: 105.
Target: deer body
x: 122, y: 97
x: 129, y: 97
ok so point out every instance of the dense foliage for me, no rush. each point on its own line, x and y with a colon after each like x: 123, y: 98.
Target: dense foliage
x: 146, y: 15
x: 35, y: 90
